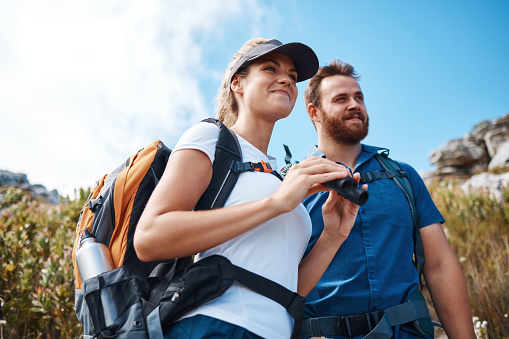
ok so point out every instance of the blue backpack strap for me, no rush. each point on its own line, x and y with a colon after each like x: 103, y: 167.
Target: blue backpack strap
x: 374, y: 325
x: 154, y: 328
x: 414, y: 310
x: 223, y: 178
x: 423, y: 325
x: 403, y: 182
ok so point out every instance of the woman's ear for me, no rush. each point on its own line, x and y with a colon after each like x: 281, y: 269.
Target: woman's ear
x: 236, y: 84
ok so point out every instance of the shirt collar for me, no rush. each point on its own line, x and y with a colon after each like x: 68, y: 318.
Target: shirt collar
x: 314, y: 152
x: 367, y: 153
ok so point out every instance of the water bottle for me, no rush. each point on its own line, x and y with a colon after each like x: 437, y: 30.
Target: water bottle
x: 94, y: 258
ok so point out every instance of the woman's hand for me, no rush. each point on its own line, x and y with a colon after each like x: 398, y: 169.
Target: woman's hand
x: 306, y: 178
x: 339, y: 215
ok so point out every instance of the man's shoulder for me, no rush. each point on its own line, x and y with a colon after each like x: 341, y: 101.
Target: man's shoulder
x: 373, y: 150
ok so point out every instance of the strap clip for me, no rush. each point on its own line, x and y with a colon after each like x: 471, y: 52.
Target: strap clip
x: 241, y: 167
x: 368, y: 177
x: 261, y: 166
x: 345, y: 323
x: 357, y: 325
x: 94, y: 204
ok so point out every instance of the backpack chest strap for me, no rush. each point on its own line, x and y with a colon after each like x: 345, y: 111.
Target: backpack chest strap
x: 369, y: 176
x: 262, y: 166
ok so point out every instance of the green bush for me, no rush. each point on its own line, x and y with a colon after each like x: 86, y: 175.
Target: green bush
x: 36, y: 279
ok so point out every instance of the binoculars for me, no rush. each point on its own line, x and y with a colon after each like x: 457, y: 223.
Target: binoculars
x: 349, y: 189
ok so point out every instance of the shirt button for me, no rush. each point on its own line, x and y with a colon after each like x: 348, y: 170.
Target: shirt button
x: 368, y: 243
x: 372, y: 276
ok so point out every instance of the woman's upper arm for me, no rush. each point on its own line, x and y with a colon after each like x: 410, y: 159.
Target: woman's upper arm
x: 185, y: 179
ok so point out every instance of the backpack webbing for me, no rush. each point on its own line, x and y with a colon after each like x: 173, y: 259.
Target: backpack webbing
x: 392, y: 170
x: 415, y: 309
x: 227, y: 167
x: 223, y: 179
x: 102, y: 203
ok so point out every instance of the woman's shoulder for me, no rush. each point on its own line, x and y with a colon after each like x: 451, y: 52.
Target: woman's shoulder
x: 201, y: 130
x: 201, y: 136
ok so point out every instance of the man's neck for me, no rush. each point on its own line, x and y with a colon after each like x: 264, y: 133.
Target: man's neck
x: 335, y: 151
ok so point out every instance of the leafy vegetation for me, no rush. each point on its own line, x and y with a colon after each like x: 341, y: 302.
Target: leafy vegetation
x: 36, y: 279
x: 36, y: 276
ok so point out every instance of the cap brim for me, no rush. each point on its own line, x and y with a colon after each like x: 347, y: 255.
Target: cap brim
x: 303, y: 57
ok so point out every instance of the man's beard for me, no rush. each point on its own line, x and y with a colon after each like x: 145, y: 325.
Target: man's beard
x: 336, y: 129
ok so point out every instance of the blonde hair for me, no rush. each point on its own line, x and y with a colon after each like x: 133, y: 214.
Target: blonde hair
x: 226, y: 106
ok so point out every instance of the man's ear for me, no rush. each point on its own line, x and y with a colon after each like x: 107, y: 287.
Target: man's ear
x: 313, y: 113
x: 236, y: 84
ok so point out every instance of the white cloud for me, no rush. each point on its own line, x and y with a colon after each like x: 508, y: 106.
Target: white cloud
x: 85, y: 84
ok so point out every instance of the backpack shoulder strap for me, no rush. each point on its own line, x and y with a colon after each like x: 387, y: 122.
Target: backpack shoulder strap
x: 223, y: 178
x: 394, y: 172
x: 227, y: 167
x: 401, y: 179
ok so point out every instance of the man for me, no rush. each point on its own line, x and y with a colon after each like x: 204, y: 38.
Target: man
x: 373, y: 270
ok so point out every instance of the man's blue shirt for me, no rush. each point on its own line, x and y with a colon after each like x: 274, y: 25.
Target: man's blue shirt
x: 373, y: 269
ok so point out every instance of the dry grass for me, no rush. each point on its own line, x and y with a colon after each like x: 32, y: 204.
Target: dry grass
x: 478, y: 231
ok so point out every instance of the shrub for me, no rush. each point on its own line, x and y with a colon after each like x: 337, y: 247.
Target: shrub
x: 478, y: 229
x: 36, y: 280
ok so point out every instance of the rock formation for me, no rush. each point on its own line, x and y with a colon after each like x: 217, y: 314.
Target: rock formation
x: 469, y: 158
x: 8, y: 178
x: 485, y: 147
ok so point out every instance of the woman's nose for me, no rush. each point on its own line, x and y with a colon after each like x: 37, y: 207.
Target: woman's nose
x: 285, y: 79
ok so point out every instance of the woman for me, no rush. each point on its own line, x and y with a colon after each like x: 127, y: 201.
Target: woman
x: 263, y: 227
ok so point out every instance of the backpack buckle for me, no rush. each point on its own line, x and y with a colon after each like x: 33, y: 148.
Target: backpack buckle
x: 261, y: 166
x: 358, y: 325
x: 94, y: 204
x: 241, y: 167
x: 368, y: 177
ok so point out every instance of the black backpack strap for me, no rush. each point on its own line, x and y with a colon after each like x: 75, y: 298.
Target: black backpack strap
x: 227, y: 166
x: 223, y: 178
x: 160, y: 278
x: 291, y: 301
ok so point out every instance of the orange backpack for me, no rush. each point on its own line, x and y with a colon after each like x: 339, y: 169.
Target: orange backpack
x: 141, y: 300
x: 114, y: 207
x: 116, y: 202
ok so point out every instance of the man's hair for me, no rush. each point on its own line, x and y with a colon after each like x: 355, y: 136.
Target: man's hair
x: 226, y: 105
x: 336, y: 67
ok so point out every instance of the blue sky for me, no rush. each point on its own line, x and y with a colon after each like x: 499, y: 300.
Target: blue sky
x: 84, y: 85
